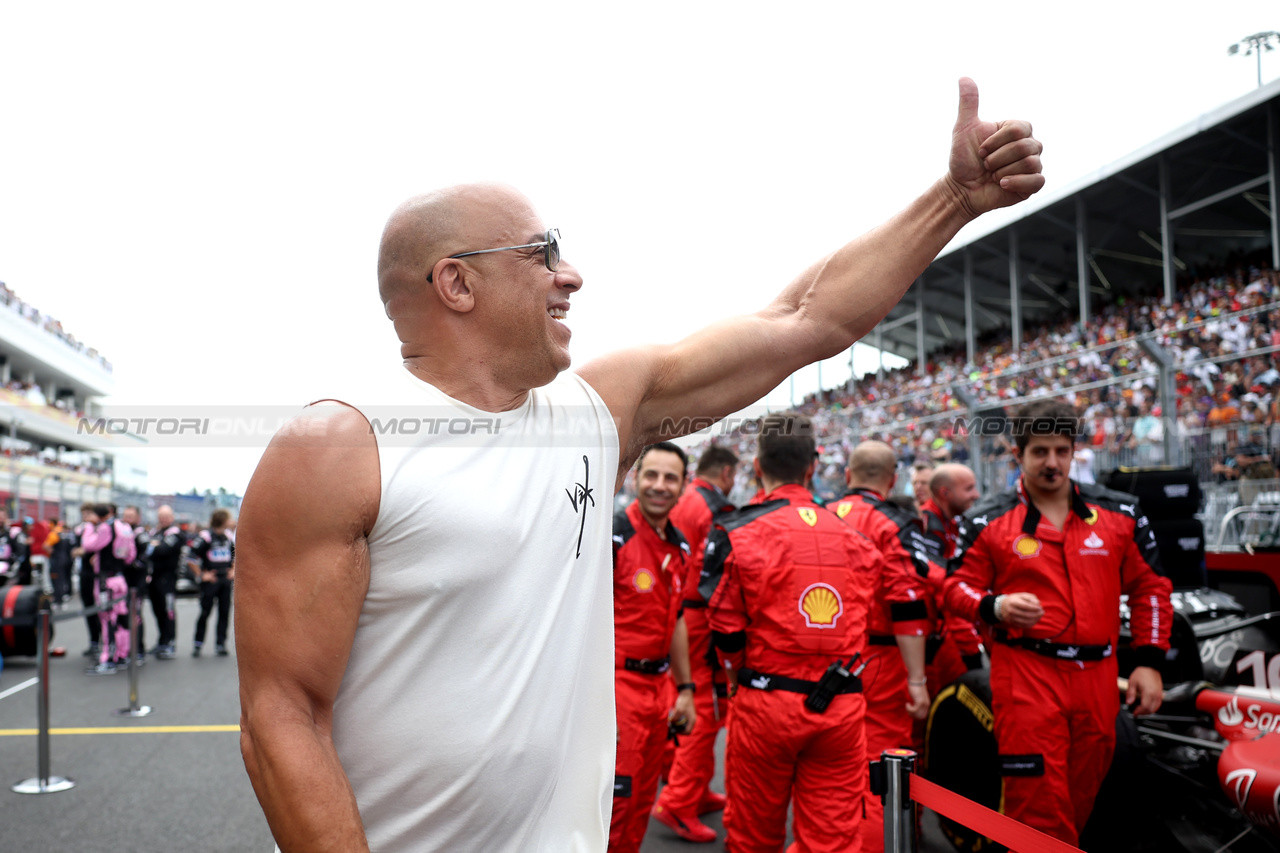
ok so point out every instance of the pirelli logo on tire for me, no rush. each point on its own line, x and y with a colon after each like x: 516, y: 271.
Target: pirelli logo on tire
x: 976, y: 706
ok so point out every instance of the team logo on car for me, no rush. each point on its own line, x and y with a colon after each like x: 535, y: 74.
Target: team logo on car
x: 821, y: 606
x: 1026, y: 546
x: 643, y: 580
x: 808, y: 515
x: 843, y: 508
x: 1229, y: 714
x: 1243, y: 784
x: 1093, y: 516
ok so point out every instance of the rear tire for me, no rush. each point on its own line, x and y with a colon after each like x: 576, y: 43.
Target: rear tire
x: 960, y: 752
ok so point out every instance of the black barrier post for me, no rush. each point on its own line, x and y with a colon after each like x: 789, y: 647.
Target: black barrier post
x: 44, y: 783
x: 134, y: 710
x: 899, y: 812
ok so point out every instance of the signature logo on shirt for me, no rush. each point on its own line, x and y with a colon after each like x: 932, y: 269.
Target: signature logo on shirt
x: 582, y: 492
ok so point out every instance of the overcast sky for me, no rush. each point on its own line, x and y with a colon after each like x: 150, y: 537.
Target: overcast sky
x: 198, y: 190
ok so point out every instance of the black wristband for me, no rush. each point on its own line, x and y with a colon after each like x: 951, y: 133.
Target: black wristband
x: 987, y: 609
x: 1148, y: 656
x: 688, y: 685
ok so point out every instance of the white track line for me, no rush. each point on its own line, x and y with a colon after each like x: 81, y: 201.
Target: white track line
x: 30, y: 682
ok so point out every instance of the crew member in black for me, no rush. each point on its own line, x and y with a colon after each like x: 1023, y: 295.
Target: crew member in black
x: 138, y: 572
x: 164, y: 548
x: 214, y: 552
x: 60, y: 543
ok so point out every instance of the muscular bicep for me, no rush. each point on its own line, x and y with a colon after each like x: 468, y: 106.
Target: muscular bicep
x: 657, y: 393
x: 302, y: 563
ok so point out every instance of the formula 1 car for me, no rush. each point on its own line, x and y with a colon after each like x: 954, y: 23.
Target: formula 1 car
x: 1201, y: 776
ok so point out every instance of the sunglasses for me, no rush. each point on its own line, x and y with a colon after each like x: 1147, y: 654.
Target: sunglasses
x: 550, y: 250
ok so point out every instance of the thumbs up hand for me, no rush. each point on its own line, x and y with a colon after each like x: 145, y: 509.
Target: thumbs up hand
x: 993, y: 164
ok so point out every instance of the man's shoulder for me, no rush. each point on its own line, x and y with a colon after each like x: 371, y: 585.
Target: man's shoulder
x: 987, y: 510
x: 692, y: 505
x: 572, y: 388
x: 748, y: 515
x: 322, y: 421
x: 899, y: 515
x: 1109, y: 499
x: 855, y: 502
x: 623, y: 529
x: 710, y: 498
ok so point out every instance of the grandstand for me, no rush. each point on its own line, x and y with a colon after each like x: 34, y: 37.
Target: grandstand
x: 1145, y: 294
x: 48, y: 381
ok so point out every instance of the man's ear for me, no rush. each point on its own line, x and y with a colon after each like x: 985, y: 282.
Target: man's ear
x: 453, y: 286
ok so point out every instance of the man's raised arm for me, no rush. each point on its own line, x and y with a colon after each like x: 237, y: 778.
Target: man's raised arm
x: 832, y: 304
x: 303, y: 570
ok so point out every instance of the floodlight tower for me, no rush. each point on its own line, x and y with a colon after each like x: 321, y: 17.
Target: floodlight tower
x: 1255, y: 44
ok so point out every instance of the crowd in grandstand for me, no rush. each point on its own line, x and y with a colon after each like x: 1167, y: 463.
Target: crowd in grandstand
x: 49, y: 457
x: 1222, y: 405
x: 49, y: 324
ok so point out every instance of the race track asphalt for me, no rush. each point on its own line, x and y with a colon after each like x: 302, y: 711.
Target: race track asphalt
x: 140, y: 787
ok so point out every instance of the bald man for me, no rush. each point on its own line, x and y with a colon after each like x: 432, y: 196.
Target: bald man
x: 956, y: 644
x: 460, y: 694
x: 953, y: 489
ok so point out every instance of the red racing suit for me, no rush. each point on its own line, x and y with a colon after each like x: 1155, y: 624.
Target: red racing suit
x: 1053, y: 685
x: 695, y: 760
x: 956, y: 646
x: 901, y: 606
x: 648, y: 587
x: 788, y: 587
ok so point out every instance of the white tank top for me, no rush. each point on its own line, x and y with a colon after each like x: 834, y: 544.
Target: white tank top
x: 476, y: 711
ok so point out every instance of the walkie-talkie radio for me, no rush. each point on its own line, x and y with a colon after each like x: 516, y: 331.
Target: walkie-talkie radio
x: 833, y: 681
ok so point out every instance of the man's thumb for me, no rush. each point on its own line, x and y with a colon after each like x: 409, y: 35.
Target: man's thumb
x: 968, y: 101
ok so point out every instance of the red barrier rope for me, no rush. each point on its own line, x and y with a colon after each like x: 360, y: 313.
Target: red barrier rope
x: 1004, y: 830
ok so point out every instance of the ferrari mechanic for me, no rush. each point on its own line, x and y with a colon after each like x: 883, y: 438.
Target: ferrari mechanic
x: 1046, y: 564
x: 687, y: 794
x: 650, y: 640
x: 895, y: 683
x: 787, y: 586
